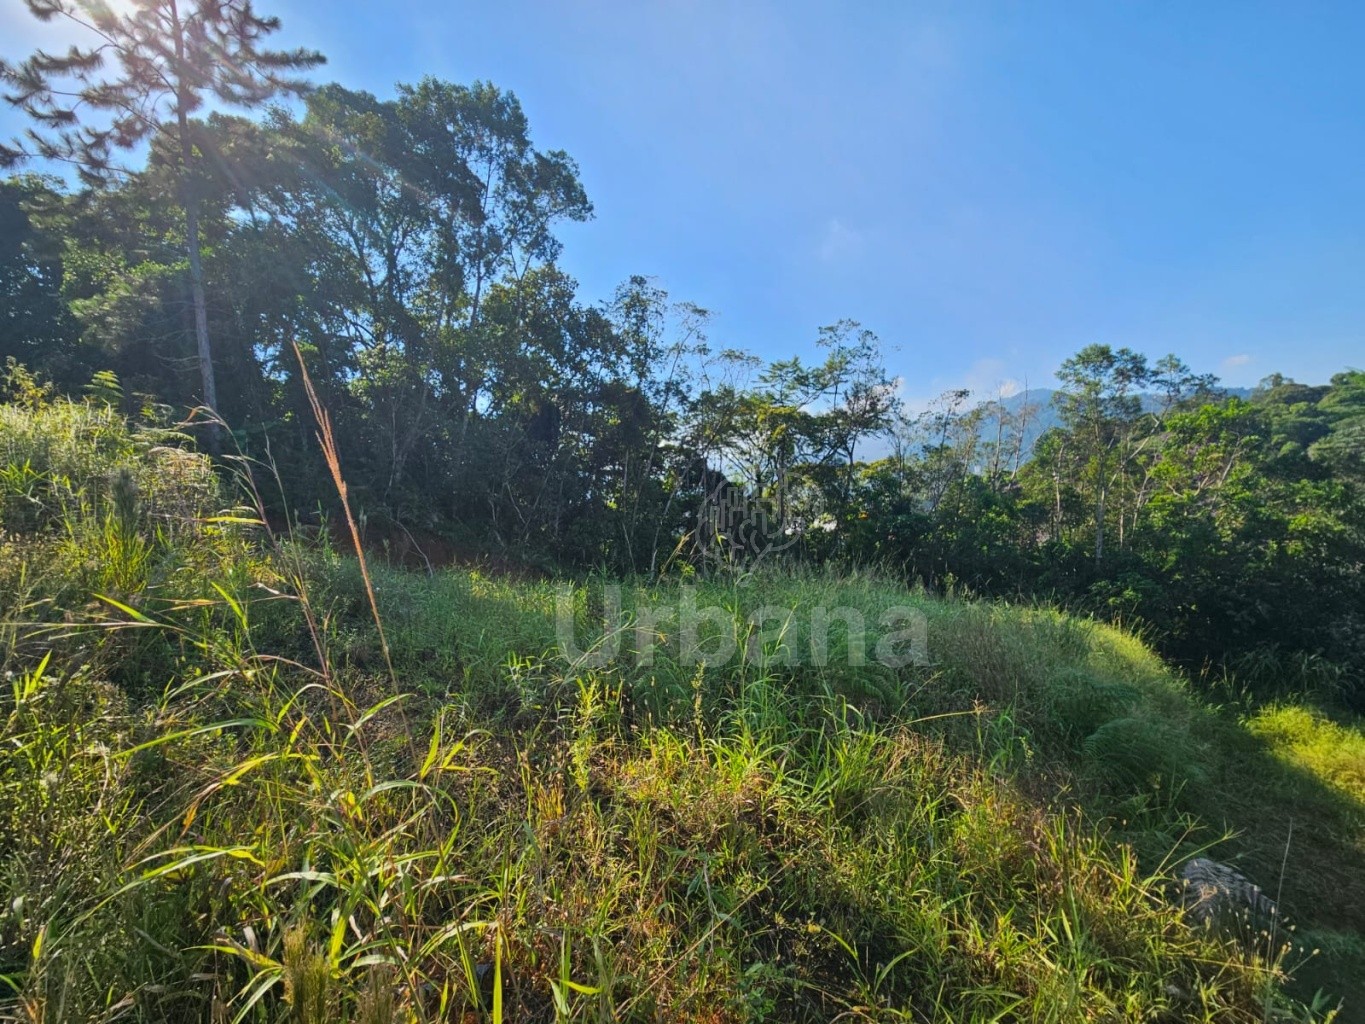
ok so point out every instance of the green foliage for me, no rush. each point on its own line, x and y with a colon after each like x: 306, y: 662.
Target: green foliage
x: 36, y: 326
x: 511, y: 836
x: 1080, y: 704
x: 484, y: 408
x: 1228, y: 542
x: 1137, y: 751
x: 665, y: 837
x: 68, y: 461
x: 307, y: 979
x: 1310, y: 740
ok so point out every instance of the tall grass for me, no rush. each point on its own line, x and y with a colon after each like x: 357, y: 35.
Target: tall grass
x: 214, y: 805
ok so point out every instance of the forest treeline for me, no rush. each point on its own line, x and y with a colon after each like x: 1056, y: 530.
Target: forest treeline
x: 405, y: 251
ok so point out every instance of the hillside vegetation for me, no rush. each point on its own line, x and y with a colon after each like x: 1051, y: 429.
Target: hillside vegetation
x: 485, y: 401
x: 224, y: 795
x: 776, y: 694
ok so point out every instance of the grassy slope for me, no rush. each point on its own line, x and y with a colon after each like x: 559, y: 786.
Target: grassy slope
x: 1077, y: 713
x: 193, y: 816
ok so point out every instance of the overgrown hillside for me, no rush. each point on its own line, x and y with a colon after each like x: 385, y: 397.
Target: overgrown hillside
x: 226, y: 795
x: 487, y: 401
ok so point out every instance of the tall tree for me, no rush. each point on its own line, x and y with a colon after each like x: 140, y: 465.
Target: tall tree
x: 148, y: 67
x: 36, y: 328
x: 1101, y: 401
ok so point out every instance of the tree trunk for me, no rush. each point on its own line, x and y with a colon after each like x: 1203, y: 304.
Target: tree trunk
x: 1099, y: 526
x: 209, y: 393
x: 209, y: 388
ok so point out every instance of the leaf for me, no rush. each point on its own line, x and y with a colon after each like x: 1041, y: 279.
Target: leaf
x: 237, y: 609
x: 171, y: 737
x: 132, y: 613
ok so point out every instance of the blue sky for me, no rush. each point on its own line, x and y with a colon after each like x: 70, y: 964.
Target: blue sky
x: 987, y: 186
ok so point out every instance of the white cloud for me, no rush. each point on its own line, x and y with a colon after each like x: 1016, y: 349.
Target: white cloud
x: 1234, y: 362
x: 839, y: 242
x: 986, y: 380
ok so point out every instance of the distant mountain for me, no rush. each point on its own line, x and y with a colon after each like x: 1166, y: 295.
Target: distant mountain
x: 1043, y: 414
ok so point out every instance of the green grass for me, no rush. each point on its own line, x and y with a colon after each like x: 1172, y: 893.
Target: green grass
x: 1292, y: 783
x: 1309, y: 741
x: 217, y: 804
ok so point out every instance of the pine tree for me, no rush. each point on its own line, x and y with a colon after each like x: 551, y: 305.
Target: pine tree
x: 149, y: 66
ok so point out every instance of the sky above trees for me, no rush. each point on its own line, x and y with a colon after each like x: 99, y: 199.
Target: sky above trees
x: 988, y: 187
